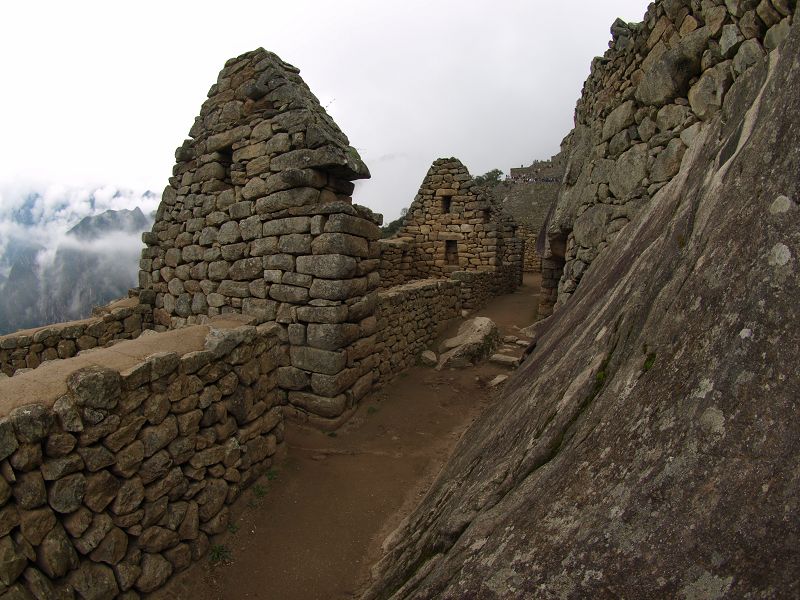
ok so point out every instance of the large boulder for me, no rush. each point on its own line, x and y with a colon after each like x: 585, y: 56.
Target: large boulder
x: 647, y: 447
x: 475, y: 340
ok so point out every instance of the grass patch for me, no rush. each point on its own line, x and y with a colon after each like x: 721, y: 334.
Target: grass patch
x: 649, y: 362
x: 259, y: 491
x: 219, y: 553
x: 272, y: 475
x: 233, y: 528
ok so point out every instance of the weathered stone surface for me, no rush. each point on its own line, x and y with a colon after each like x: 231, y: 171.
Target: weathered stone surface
x: 618, y: 442
x: 95, y: 387
x: 156, y: 539
x: 31, y: 423
x: 669, y: 76
x: 475, y: 340
x: 706, y: 95
x: 629, y: 172
x: 590, y: 227
x: 317, y: 360
x: 94, y: 582
x: 328, y: 266
x: 319, y: 405
x: 155, y: 571
x: 668, y: 161
x: 101, y: 489
x: 112, y: 548
x: 55, y: 556
x: 29, y: 490
x: 619, y: 119
x: 332, y: 336
x: 36, y: 524
x: 12, y: 561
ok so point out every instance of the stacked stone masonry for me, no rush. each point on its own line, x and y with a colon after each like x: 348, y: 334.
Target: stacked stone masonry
x: 527, y: 196
x: 116, y: 477
x: 260, y: 299
x: 454, y: 227
x: 641, y: 108
x: 258, y: 219
x: 120, y: 320
x: 410, y: 317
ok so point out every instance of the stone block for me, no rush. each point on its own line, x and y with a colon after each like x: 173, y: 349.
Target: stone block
x: 319, y: 405
x: 328, y: 266
x: 317, y: 360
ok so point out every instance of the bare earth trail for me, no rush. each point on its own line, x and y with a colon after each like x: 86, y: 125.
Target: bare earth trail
x: 313, y: 530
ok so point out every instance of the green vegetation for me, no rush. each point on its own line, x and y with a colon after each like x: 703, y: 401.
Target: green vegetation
x: 490, y: 178
x: 393, y: 227
x: 233, y: 528
x: 648, y: 362
x: 219, y: 553
x: 259, y: 491
x: 371, y: 410
x: 272, y: 475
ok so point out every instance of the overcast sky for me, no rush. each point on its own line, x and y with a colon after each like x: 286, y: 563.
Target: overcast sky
x: 101, y: 93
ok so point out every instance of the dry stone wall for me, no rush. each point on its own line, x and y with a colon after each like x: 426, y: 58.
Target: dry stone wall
x: 527, y: 196
x: 120, y: 320
x: 455, y: 229
x: 116, y: 476
x: 641, y: 108
x: 410, y: 317
x: 258, y: 219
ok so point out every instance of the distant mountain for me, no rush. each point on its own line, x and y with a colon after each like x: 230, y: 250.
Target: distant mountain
x: 90, y: 264
x: 92, y: 228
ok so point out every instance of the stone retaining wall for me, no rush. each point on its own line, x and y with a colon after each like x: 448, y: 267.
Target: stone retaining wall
x: 120, y: 320
x: 531, y: 261
x: 641, y: 108
x: 410, y: 317
x: 478, y: 287
x: 118, y: 474
x: 397, y: 261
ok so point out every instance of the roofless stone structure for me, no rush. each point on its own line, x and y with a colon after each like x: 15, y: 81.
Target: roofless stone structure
x: 258, y: 219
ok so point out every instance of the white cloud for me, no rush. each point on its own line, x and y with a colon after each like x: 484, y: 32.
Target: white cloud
x: 103, y: 92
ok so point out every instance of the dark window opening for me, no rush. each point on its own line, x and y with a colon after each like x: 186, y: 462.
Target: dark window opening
x: 226, y: 160
x: 446, y: 204
x: 451, y: 252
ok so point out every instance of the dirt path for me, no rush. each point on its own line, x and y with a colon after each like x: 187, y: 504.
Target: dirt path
x: 312, y: 531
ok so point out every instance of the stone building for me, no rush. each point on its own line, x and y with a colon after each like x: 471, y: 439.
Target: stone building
x: 452, y: 226
x: 642, y: 106
x: 258, y: 219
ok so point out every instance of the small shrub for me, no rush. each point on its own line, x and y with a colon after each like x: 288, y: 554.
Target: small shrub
x: 219, y: 553
x: 272, y: 475
x: 259, y: 491
x: 233, y: 528
x: 648, y: 362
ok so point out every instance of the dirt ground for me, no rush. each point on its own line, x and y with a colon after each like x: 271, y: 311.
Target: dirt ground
x: 313, y: 527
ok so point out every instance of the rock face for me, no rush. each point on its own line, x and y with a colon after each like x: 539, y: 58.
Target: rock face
x: 642, y: 105
x: 648, y: 445
x: 475, y: 340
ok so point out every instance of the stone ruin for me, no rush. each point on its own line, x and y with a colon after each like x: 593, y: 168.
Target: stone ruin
x: 258, y: 220
x: 454, y: 229
x: 264, y: 294
x: 648, y: 445
x: 642, y: 105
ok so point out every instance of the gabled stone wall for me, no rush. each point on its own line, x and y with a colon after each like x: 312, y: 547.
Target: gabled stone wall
x: 641, y: 108
x: 258, y: 219
x: 452, y: 227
